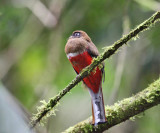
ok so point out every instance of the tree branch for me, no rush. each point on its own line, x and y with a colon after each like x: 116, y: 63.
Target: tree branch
x: 123, y: 110
x: 47, y: 107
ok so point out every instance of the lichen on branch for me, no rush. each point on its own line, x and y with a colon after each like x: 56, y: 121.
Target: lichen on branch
x: 122, y: 110
x: 45, y: 109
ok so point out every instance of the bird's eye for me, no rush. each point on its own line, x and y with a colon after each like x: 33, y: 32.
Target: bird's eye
x: 76, y: 34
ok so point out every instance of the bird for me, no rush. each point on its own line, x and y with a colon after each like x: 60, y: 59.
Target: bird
x: 81, y: 51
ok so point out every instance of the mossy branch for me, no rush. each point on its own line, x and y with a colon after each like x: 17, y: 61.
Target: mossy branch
x: 47, y: 107
x: 122, y: 110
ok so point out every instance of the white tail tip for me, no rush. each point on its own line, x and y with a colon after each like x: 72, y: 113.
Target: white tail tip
x: 98, y: 107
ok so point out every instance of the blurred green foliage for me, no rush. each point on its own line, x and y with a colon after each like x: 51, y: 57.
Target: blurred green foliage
x: 12, y: 22
x: 36, y: 66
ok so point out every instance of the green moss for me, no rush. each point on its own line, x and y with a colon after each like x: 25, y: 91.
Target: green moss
x: 128, y: 108
x: 133, y: 102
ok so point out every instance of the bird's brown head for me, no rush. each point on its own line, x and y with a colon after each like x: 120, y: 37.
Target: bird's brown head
x: 80, y: 34
x: 77, y: 42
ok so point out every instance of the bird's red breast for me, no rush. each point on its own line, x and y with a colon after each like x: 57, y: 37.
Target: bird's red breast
x: 80, y: 61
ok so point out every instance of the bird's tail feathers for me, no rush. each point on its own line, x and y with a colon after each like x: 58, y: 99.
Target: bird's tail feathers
x: 98, y: 111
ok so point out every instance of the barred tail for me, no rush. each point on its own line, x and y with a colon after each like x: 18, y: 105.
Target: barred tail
x: 98, y: 111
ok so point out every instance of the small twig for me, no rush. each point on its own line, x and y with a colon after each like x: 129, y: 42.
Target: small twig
x: 106, y: 54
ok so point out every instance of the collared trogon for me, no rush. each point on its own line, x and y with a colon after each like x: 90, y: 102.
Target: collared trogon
x: 80, y: 51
